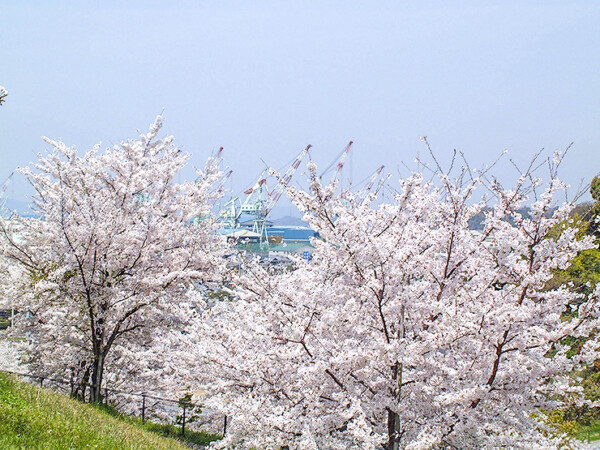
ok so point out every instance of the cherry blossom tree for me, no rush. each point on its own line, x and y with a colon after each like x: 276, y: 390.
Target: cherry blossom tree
x: 114, y: 254
x: 407, y: 329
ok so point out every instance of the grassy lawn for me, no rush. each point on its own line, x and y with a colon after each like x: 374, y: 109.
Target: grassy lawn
x: 36, y: 418
x: 589, y: 432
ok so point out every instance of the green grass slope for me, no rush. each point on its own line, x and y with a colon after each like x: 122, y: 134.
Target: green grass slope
x: 35, y: 418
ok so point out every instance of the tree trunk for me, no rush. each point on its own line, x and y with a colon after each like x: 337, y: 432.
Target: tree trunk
x: 97, y: 372
x: 82, y: 382
x: 393, y: 417
x: 394, y: 425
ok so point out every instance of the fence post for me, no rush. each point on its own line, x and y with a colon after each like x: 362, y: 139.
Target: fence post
x: 224, y: 425
x: 143, y: 408
x: 41, y: 381
x: 183, y: 422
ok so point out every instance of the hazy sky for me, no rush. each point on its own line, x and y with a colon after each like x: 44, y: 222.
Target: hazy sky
x: 264, y: 79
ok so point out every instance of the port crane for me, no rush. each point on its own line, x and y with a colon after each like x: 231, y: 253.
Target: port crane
x: 340, y: 158
x: 284, y: 181
x: 265, y: 208
x: 253, y: 203
x: 372, y: 179
x: 3, y: 195
x: 259, y: 202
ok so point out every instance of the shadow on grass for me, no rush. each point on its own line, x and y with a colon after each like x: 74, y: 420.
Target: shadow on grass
x: 168, y: 430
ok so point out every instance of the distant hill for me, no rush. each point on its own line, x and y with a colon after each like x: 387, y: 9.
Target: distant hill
x: 477, y: 222
x: 289, y: 221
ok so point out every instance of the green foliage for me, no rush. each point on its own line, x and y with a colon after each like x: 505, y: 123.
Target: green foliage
x: 591, y: 385
x: 576, y: 222
x: 5, y: 319
x: 220, y: 295
x: 592, y: 211
x: 590, y: 382
x: 559, y: 425
x: 583, y: 273
x: 595, y: 188
x: 186, y: 401
x: 35, y: 418
x: 191, y: 412
x: 563, y: 424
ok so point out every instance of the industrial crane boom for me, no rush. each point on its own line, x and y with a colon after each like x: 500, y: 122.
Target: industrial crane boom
x: 340, y: 164
x: 283, y: 182
x: 374, y: 177
x: 340, y: 161
x: 3, y: 191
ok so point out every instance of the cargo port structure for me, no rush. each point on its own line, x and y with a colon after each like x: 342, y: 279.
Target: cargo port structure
x: 245, y: 217
x: 259, y: 201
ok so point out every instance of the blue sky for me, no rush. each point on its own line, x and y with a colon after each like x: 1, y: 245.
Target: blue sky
x: 264, y: 79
